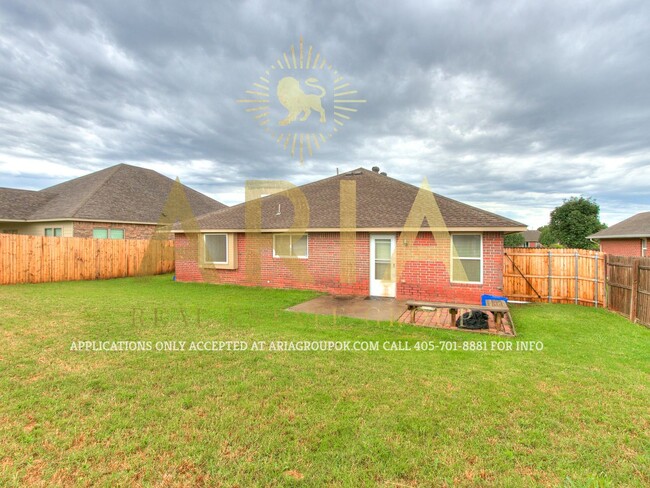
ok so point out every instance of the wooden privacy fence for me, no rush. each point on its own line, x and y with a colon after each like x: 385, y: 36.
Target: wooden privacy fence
x: 36, y: 259
x: 628, y: 287
x: 554, y: 275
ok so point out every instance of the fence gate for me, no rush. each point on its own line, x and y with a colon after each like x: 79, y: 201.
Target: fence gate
x: 628, y: 287
x: 555, y: 275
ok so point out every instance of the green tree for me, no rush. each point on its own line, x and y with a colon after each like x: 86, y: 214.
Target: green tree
x: 546, y: 237
x: 574, y: 220
x: 514, y: 240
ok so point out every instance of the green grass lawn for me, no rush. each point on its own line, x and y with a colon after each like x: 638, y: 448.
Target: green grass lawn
x: 574, y: 414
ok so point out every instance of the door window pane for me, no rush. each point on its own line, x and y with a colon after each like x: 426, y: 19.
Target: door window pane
x: 383, y: 271
x: 382, y: 249
x: 216, y: 248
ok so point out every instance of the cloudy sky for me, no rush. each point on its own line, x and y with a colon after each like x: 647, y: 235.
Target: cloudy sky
x: 510, y: 106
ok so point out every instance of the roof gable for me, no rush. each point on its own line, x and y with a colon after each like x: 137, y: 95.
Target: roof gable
x: 636, y: 226
x: 381, y: 203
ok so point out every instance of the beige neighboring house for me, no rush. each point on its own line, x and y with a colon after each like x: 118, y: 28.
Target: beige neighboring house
x: 120, y: 202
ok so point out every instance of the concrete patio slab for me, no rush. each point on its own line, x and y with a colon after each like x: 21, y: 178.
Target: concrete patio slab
x: 368, y: 308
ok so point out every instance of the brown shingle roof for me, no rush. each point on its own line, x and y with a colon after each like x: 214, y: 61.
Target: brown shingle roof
x: 636, y: 226
x: 19, y: 204
x: 121, y: 193
x: 381, y: 203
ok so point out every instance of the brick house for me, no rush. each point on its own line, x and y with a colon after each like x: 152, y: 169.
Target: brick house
x: 627, y: 238
x: 357, y: 233
x: 531, y: 238
x: 120, y: 202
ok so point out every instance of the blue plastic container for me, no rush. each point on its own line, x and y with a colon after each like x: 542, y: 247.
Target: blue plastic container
x: 485, y: 298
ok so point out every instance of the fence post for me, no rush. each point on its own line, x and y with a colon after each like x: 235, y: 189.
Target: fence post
x: 596, y: 285
x: 550, y: 276
x: 606, y: 281
x: 576, y: 271
x: 636, y: 264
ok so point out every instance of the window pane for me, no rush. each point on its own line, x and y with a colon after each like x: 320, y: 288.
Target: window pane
x: 299, y: 246
x: 383, y: 271
x: 117, y: 233
x: 100, y: 233
x: 467, y: 246
x: 58, y: 232
x: 282, y: 245
x: 468, y: 270
x: 215, y: 249
x: 382, y: 249
x: 48, y: 232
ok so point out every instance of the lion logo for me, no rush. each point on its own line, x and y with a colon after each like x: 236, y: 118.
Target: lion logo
x: 295, y: 100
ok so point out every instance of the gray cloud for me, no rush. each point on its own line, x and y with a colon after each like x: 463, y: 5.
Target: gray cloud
x: 512, y: 107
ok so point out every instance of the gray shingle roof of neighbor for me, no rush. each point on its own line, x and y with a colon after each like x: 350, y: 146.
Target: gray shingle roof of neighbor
x: 19, y: 204
x: 381, y: 203
x: 636, y: 226
x: 121, y: 193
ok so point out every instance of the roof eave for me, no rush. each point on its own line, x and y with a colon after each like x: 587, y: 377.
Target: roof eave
x: 77, y: 219
x: 359, y: 229
x: 620, y: 236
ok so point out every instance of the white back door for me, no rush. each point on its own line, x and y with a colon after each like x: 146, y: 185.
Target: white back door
x: 382, y: 265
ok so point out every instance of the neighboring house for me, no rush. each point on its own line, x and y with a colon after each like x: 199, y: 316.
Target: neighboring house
x: 357, y: 233
x: 531, y: 238
x: 627, y: 238
x: 120, y: 202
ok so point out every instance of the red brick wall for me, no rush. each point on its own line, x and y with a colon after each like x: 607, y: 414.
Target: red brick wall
x: 423, y: 267
x: 321, y: 271
x: 621, y: 247
x: 131, y: 231
x: 423, y: 278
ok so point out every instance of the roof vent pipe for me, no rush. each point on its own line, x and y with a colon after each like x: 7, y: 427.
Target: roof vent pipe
x: 375, y: 169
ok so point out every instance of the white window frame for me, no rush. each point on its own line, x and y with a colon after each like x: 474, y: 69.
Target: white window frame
x: 451, y: 260
x: 644, y: 247
x: 53, y: 231
x: 205, y: 247
x: 306, y: 256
